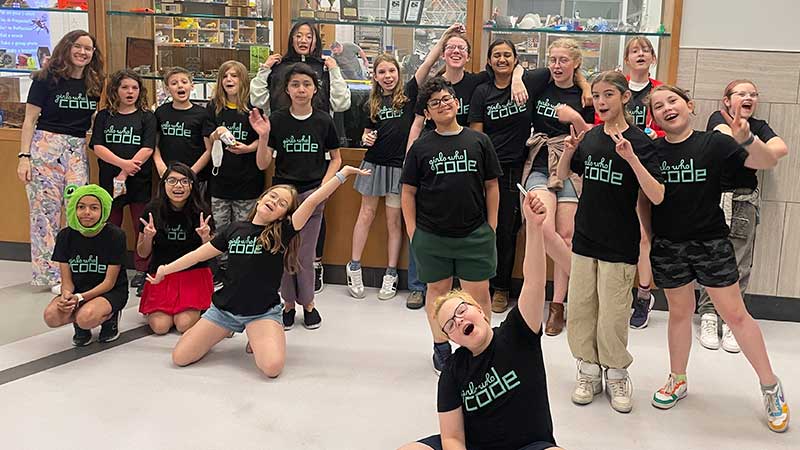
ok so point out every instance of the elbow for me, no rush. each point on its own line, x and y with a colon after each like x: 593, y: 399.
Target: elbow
x: 781, y: 152
x: 659, y: 197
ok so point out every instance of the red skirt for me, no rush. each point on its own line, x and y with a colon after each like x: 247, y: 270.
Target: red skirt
x: 178, y: 292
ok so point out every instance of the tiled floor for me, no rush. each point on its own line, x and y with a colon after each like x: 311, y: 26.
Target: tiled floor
x: 362, y: 381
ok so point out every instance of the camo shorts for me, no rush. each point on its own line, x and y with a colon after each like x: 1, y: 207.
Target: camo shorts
x: 712, y: 263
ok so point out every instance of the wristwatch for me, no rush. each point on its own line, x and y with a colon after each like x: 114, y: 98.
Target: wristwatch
x: 79, y: 297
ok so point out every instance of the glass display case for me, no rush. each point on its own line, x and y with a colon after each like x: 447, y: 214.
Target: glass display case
x: 29, y: 30
x: 601, y: 28
x: 197, y: 35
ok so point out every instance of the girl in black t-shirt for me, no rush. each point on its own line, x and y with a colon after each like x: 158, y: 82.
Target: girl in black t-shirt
x: 176, y: 222
x: 61, y: 100
x: 260, y: 250
x: 90, y: 254
x: 615, y: 159
x: 123, y: 138
x: 690, y: 240
x: 389, y: 115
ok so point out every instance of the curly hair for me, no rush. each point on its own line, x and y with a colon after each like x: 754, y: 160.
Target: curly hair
x: 59, y: 66
x: 111, y: 101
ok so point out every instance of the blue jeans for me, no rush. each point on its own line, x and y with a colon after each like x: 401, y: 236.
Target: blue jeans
x: 413, y: 282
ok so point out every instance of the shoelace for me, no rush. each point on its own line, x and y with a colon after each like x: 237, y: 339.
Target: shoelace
x: 727, y: 333
x: 669, y: 388
x: 709, y: 326
x: 585, y: 383
x: 640, y: 307
x: 356, y: 279
x: 388, y: 283
x: 619, y: 388
x: 771, y: 402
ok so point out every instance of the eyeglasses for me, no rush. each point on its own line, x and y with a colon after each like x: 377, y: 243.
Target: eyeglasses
x: 450, y: 325
x: 744, y: 94
x: 444, y: 100
x: 556, y: 61
x: 172, y: 181
x: 452, y: 47
x: 85, y: 48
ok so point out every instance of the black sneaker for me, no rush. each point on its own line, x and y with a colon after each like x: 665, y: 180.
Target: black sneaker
x: 319, y: 271
x: 109, y: 331
x: 138, y: 280
x: 82, y: 337
x: 441, y: 355
x: 641, y: 312
x: 288, y: 319
x: 311, y: 319
x: 139, y: 290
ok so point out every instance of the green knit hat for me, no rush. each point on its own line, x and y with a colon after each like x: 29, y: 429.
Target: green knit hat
x: 73, y: 193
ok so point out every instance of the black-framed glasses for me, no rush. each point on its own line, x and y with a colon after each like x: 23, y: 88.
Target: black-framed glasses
x: 445, y: 99
x: 450, y: 325
x: 172, y: 181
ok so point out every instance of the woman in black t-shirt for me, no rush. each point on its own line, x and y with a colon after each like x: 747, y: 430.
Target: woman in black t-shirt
x: 493, y: 392
x: 615, y: 159
x: 690, y: 240
x: 259, y: 250
x: 61, y: 101
x: 176, y: 222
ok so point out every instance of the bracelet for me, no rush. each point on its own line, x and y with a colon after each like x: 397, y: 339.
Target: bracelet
x: 342, y: 178
x: 24, y: 155
x: 749, y: 140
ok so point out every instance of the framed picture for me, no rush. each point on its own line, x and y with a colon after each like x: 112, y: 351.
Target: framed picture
x: 414, y: 11
x: 308, y: 11
x: 394, y: 11
x: 349, y: 9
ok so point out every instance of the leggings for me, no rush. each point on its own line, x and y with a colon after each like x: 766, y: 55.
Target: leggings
x: 299, y: 287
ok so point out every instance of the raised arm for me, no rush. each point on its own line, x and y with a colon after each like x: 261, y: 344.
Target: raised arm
x: 563, y: 170
x: 262, y: 126
x: 761, y: 155
x: 259, y: 85
x: 434, y: 54
x: 652, y: 188
x: 340, y: 91
x: 306, y: 209
x: 531, y: 297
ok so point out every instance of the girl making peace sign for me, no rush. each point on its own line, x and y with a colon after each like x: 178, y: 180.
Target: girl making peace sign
x: 173, y: 224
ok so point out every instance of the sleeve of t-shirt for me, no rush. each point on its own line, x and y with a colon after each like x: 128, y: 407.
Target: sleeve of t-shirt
x: 729, y: 151
x: 715, y: 119
x: 410, y: 173
x: 119, y: 248
x: 648, y: 156
x: 37, y: 95
x: 764, y: 131
x: 448, y: 396
x: 588, y: 114
x: 477, y: 104
x: 412, y: 92
x: 220, y: 240
x: 536, y: 81
x: 366, y: 117
x: 576, y: 164
x: 61, y: 251
x: 98, y: 136
x: 149, y: 130
x: 331, y: 137
x: 516, y: 325
x: 491, y: 165
x: 287, y: 232
x: 210, y: 123
x: 482, y: 77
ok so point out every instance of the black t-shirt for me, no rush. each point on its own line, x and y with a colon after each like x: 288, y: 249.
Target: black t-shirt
x: 545, y: 119
x: 180, y: 135
x: 746, y: 177
x: 507, y: 123
x: 254, y: 274
x: 693, y: 171
x: 279, y: 99
x: 606, y: 224
x: 89, y: 257
x: 239, y: 177
x: 300, y: 147
x: 449, y: 173
x: 125, y: 135
x: 66, y: 109
x: 637, y: 106
x: 175, y: 236
x: 393, y: 126
x: 464, y: 90
x: 502, y: 392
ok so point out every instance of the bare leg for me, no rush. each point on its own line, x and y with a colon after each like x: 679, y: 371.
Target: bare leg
x: 93, y: 313
x: 186, y: 319
x: 679, y: 329
x: 479, y: 290
x: 565, y: 227
x: 197, y: 341
x: 54, y: 317
x: 394, y: 220
x: 159, y: 322
x: 436, y: 289
x: 553, y: 242
x: 268, y: 341
x: 369, y: 208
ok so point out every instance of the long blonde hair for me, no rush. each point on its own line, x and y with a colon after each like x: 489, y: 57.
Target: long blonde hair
x: 242, y: 97
x: 399, y: 99
x: 271, y: 239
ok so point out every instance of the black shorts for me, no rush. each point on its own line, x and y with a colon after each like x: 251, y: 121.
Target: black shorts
x: 118, y: 298
x: 435, y: 442
x: 712, y: 263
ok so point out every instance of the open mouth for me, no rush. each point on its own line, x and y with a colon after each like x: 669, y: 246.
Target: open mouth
x: 640, y: 61
x: 181, y: 92
x: 177, y: 193
x: 602, y: 110
x: 468, y: 329
x: 130, y: 98
x: 269, y: 207
x: 747, y: 107
x: 670, y: 117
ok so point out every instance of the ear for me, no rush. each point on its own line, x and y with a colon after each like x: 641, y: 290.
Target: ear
x: 727, y: 102
x: 690, y: 103
x: 626, y: 97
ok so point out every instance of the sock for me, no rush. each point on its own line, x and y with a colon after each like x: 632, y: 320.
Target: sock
x: 391, y: 271
x: 679, y: 377
x: 355, y: 265
x: 643, y: 292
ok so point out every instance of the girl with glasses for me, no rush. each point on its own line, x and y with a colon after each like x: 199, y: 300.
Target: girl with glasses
x: 176, y: 222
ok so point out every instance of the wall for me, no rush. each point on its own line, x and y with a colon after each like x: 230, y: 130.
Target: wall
x: 706, y: 70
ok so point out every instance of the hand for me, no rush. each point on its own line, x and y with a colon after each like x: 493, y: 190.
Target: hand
x: 24, y: 170
x: 131, y: 166
x: 586, y: 99
x: 217, y: 133
x: 273, y: 59
x: 368, y: 139
x: 740, y: 127
x: 161, y: 272
x: 67, y: 303
x: 204, y: 230
x: 330, y: 63
x: 566, y: 114
x: 624, y: 147
x: 652, y: 134
x: 571, y: 142
x: 534, y: 209
x: 149, y: 227
x: 350, y: 170
x: 519, y: 93
x: 455, y: 28
x: 260, y: 123
x: 238, y: 148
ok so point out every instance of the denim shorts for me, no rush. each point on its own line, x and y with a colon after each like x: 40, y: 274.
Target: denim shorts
x: 236, y: 322
x: 538, y: 180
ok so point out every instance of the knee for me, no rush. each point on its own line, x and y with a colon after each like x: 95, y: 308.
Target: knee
x: 271, y: 367
x: 88, y: 318
x: 160, y: 327
x: 180, y: 358
x: 367, y: 213
x: 737, y: 318
x: 680, y: 313
x: 51, y: 317
x: 183, y: 322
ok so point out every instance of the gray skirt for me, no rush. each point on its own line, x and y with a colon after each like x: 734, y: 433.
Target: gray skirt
x: 384, y: 180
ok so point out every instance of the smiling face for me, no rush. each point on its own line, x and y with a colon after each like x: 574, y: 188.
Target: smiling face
x: 80, y: 55
x: 301, y: 89
x: 671, y: 111
x: 128, y: 92
x: 230, y: 82
x: 608, y: 100
x: 502, y: 59
x: 273, y: 205
x: 456, y: 52
x: 89, y: 210
x: 442, y: 107
x: 464, y: 323
x: 562, y: 65
x: 387, y: 76
x: 640, y: 57
x: 178, y: 187
x: 744, y: 96
x: 180, y: 87
x: 303, y: 40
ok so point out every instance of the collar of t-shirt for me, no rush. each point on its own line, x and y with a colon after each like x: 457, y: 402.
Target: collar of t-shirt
x: 637, y: 86
x: 450, y: 133
x: 301, y: 117
x: 230, y: 105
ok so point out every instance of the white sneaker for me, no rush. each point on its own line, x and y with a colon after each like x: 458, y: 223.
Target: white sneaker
x: 355, y: 284
x: 56, y: 290
x: 708, y: 331
x: 388, y: 288
x: 619, y: 389
x: 729, y: 343
x: 216, y: 157
x: 589, y: 383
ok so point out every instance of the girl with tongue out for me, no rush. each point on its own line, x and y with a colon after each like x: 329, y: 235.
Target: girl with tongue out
x: 690, y: 238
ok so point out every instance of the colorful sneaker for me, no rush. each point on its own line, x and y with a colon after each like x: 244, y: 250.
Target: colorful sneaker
x: 589, y: 383
x: 641, y: 311
x: 388, y: 288
x: 319, y: 272
x: 415, y: 300
x: 288, y: 319
x: 668, y: 396
x: 109, y: 331
x: 708, y: 331
x: 619, y: 389
x: 441, y: 355
x: 729, y: 343
x: 82, y: 337
x: 355, y: 284
x: 311, y: 319
x: 777, y: 408
x: 499, y: 301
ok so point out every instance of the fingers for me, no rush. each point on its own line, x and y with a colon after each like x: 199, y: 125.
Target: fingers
x: 737, y: 113
x: 144, y: 222
x: 572, y: 131
x: 726, y: 116
x: 580, y: 136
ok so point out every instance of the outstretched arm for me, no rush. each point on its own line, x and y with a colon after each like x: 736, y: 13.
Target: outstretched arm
x: 306, y: 209
x: 761, y: 155
x: 531, y: 297
x: 202, y: 253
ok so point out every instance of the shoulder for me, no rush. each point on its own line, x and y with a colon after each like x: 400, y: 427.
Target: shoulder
x: 322, y: 116
x: 103, y: 113
x: 166, y: 107
x: 715, y: 119
x: 65, y: 233
x: 114, y: 232
x: 147, y: 114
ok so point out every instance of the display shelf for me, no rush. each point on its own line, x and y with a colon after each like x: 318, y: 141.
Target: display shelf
x: 374, y: 23
x: 56, y: 10
x: 188, y: 15
x: 17, y: 70
x: 557, y: 31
